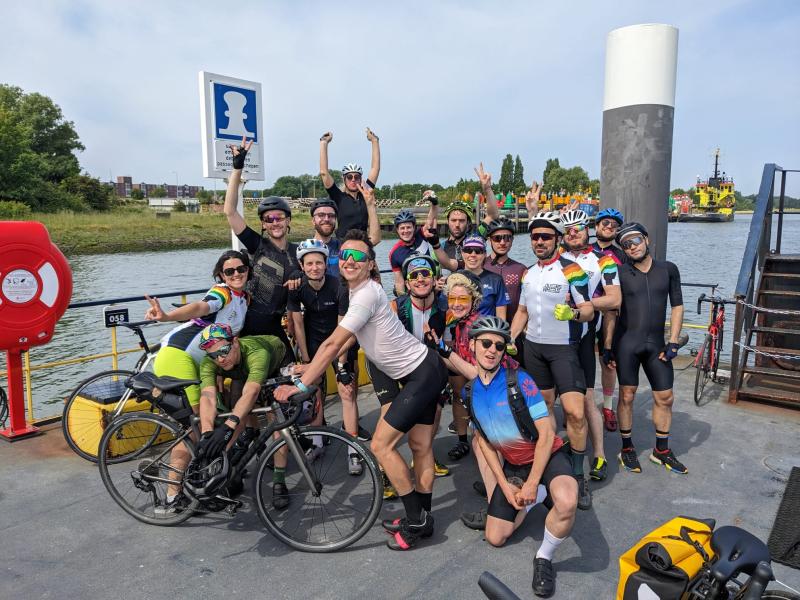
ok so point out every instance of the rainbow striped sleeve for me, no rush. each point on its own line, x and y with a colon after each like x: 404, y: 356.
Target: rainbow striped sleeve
x: 578, y: 280
x: 609, y: 270
x: 217, y: 297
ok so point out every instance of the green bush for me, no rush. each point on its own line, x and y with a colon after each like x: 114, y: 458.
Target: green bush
x: 179, y: 206
x: 13, y: 210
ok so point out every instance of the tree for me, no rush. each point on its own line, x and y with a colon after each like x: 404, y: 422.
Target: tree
x: 556, y: 178
x: 159, y: 192
x: 97, y: 195
x: 518, y: 186
x: 137, y: 194
x: 506, y: 181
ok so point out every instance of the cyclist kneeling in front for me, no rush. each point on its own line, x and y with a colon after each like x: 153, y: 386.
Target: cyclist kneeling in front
x: 247, y: 361
x: 532, y: 453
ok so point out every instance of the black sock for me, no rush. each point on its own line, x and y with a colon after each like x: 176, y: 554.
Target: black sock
x: 425, y: 498
x: 463, y: 438
x: 413, y: 505
x: 662, y: 441
x: 577, y: 461
x: 627, y: 440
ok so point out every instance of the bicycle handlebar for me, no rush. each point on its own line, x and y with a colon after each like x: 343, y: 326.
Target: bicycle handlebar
x: 712, y: 300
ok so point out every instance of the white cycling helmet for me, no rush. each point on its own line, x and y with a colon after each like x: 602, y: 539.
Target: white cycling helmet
x: 352, y: 168
x: 574, y: 217
x: 547, y: 218
x: 312, y: 245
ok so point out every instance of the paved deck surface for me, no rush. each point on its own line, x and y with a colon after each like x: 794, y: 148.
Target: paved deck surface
x: 63, y: 536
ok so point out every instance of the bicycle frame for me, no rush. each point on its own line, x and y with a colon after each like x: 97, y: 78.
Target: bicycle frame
x: 141, y: 365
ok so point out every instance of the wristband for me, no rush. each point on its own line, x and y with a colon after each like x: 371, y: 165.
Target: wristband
x: 233, y: 418
x: 576, y: 315
x: 301, y: 386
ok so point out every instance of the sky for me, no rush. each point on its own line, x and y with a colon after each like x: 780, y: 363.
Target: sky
x: 444, y: 84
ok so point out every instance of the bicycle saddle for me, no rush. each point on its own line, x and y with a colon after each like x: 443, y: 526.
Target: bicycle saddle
x: 143, y: 383
x: 737, y: 551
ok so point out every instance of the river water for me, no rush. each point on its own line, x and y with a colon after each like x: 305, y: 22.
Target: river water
x: 705, y: 253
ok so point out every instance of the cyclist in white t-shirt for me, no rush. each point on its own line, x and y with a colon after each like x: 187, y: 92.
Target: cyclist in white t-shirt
x: 398, y: 359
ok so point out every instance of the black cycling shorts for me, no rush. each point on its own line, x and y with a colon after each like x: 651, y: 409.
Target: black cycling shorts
x: 587, y: 359
x: 559, y: 464
x: 413, y: 398
x: 630, y: 354
x: 555, y: 365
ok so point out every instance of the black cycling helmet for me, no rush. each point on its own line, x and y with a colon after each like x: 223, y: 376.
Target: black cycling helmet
x: 416, y: 259
x: 324, y: 202
x: 628, y: 229
x: 205, y: 478
x: 404, y: 216
x: 474, y: 279
x: 491, y: 324
x: 274, y: 203
x: 500, y: 224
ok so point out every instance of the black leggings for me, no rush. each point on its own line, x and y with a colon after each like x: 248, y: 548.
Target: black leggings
x: 587, y: 359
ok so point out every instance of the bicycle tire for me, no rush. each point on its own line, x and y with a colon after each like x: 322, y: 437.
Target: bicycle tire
x: 83, y: 421
x: 703, y: 369
x: 145, y: 442
x: 306, y: 508
x: 779, y: 595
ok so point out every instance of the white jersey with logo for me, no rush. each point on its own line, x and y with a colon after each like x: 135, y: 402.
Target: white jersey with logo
x: 602, y: 272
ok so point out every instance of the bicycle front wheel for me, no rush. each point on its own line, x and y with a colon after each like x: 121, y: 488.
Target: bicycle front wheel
x: 338, y: 508
x: 142, y: 459
x: 703, y: 370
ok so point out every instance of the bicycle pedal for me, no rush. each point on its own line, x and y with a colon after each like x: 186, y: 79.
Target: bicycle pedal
x: 232, y: 508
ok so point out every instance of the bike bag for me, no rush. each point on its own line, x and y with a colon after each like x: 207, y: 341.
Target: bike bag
x: 663, y: 562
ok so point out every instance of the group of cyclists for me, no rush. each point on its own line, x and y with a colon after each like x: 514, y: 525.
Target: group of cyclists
x: 469, y: 327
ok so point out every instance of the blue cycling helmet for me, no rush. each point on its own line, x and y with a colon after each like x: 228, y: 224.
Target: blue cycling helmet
x: 404, y: 216
x: 610, y: 213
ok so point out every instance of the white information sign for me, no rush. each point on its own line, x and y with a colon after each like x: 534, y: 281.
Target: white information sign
x: 229, y: 109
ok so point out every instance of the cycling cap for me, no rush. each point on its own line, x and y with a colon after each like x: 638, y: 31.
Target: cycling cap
x: 629, y: 229
x: 474, y: 240
x: 352, y: 168
x: 405, y: 216
x: 462, y: 206
x: 312, y: 245
x: 547, y: 218
x: 491, y: 324
x: 274, y: 203
x: 324, y: 202
x: 500, y: 224
x: 215, y: 332
x: 203, y: 479
x: 610, y: 213
x: 419, y: 261
x: 574, y: 217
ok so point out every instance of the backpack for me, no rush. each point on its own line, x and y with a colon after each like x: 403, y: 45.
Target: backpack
x: 663, y: 562
x: 516, y: 402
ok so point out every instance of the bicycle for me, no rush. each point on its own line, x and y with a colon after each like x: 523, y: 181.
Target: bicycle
x: 329, y: 508
x: 707, y: 360
x: 98, y: 400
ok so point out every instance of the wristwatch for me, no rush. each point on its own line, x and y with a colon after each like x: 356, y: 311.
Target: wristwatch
x: 576, y: 314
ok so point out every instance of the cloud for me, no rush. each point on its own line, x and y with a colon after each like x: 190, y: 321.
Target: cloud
x: 444, y: 84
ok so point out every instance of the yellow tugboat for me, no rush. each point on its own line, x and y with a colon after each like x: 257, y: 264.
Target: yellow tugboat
x: 715, y: 201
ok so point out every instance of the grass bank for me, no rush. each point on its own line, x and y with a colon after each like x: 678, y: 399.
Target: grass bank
x: 129, y: 230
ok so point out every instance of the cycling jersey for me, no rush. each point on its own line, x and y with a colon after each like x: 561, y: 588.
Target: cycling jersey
x: 351, y: 212
x: 226, y: 306
x: 512, y: 273
x: 413, y: 318
x: 261, y: 355
x: 333, y: 256
x: 490, y: 408
x: 401, y: 250
x: 385, y: 341
x: 322, y: 307
x: 494, y: 293
x: 612, y: 250
x: 544, y: 286
x: 602, y: 271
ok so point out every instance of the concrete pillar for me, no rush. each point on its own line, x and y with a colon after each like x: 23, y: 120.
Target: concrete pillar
x: 638, y: 109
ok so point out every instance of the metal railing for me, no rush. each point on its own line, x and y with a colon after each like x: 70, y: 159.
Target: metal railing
x: 758, y: 247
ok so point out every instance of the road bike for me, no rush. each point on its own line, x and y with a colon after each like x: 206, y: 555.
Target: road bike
x: 707, y: 360
x: 98, y: 400
x: 143, y: 457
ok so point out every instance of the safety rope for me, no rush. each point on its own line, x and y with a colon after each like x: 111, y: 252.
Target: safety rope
x: 767, y: 354
x: 774, y: 311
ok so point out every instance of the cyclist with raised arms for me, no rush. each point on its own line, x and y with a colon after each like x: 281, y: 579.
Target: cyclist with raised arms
x: 354, y: 209
x: 316, y: 308
x: 605, y: 296
x: 516, y: 428
x: 399, y: 359
x: 638, y: 340
x: 554, y: 304
x: 606, y: 224
x: 273, y: 256
x: 411, y: 240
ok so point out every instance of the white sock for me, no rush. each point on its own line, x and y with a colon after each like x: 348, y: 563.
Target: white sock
x: 549, y: 545
x: 608, y: 401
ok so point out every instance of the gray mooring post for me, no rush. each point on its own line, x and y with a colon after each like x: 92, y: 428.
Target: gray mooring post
x: 638, y: 110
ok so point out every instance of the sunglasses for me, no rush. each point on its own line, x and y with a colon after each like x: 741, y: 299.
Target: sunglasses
x: 609, y: 224
x: 576, y: 228
x: 486, y: 344
x: 459, y: 299
x: 546, y: 237
x: 424, y: 273
x: 221, y: 353
x: 325, y: 216
x: 356, y: 255
x: 631, y: 242
x: 353, y: 177
x: 503, y: 237
x: 473, y: 250
x: 229, y: 272
x: 273, y: 219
